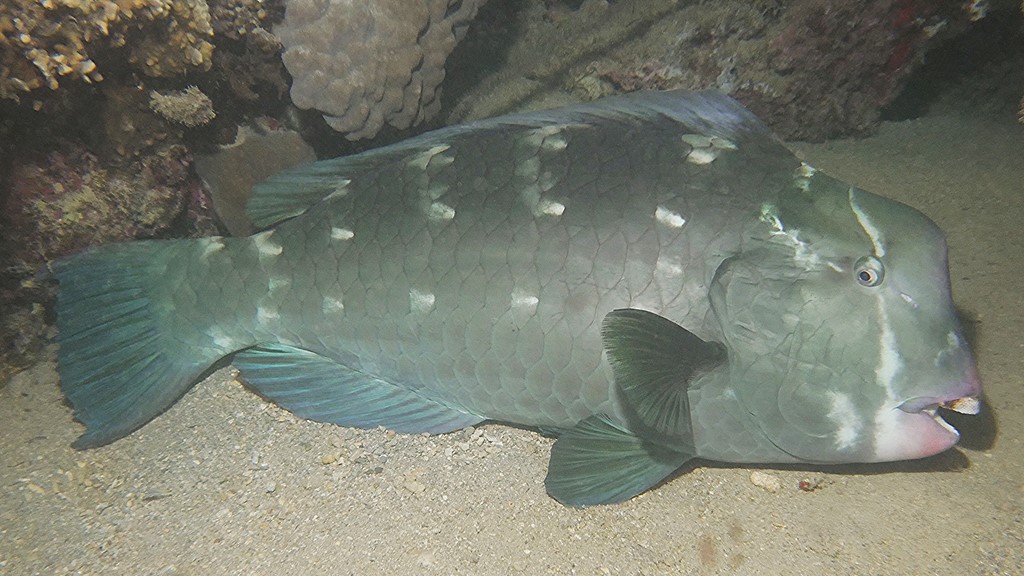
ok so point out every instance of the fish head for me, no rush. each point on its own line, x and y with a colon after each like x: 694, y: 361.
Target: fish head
x: 842, y: 335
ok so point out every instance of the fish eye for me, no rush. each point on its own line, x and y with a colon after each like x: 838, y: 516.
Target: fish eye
x: 869, y: 271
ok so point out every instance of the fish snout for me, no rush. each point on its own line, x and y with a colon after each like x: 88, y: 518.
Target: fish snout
x: 916, y: 429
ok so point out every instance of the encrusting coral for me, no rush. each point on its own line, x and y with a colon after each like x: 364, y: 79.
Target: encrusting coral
x: 43, y: 42
x: 367, y: 64
x: 189, y: 107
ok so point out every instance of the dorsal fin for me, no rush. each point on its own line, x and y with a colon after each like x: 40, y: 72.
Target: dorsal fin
x: 709, y: 115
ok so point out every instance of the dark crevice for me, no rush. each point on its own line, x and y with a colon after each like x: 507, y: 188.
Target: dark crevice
x: 980, y: 62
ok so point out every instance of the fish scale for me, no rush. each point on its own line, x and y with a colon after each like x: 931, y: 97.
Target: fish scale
x: 651, y: 278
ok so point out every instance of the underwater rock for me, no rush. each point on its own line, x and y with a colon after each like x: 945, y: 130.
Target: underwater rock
x: 67, y: 200
x: 811, y: 68
x: 364, y: 65
x: 232, y: 171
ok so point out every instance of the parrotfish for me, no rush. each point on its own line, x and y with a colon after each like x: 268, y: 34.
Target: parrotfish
x: 651, y: 278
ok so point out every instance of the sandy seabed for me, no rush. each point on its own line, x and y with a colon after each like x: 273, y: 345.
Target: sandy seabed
x: 224, y: 483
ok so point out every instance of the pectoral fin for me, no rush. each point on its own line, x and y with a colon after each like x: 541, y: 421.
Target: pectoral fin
x: 601, y: 462
x: 654, y: 360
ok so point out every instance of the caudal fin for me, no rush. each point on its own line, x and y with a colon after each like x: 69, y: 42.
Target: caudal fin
x: 118, y: 366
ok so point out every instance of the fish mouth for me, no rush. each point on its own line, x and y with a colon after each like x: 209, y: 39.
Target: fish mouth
x: 930, y: 406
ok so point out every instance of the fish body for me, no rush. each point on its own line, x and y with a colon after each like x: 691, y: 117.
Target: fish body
x: 652, y: 278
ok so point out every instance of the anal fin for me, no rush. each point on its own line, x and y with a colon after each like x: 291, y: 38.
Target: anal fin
x: 601, y: 462
x: 317, y: 388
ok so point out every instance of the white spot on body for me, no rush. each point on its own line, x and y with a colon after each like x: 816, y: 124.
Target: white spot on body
x: 669, y: 266
x: 806, y: 170
x: 342, y: 233
x: 222, y: 340
x: 539, y: 183
x: 266, y: 315
x: 705, y: 149
x: 277, y: 283
x: 547, y: 137
x: 890, y: 363
x: 211, y: 245
x: 701, y: 156
x: 436, y: 190
x: 340, y: 189
x: 420, y: 302
x: 908, y: 299
x: 265, y: 246
x: 844, y: 415
x: 439, y: 211
x: 526, y: 302
x: 722, y: 143
x: 953, y: 339
x: 669, y: 218
x: 802, y: 252
x: 835, y: 266
x: 332, y: 305
x: 426, y: 157
x: 529, y: 168
x: 770, y: 216
x: 554, y: 144
x: 696, y: 140
x: 549, y: 208
x: 546, y: 181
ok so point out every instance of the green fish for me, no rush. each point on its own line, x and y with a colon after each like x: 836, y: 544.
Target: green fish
x: 651, y: 277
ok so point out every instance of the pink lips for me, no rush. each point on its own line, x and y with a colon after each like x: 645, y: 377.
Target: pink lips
x: 921, y: 432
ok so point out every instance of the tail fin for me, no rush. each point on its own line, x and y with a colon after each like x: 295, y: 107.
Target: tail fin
x: 117, y: 368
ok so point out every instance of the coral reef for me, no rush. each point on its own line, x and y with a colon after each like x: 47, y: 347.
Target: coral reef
x: 42, y: 42
x: 68, y: 200
x: 367, y: 64
x: 812, y: 68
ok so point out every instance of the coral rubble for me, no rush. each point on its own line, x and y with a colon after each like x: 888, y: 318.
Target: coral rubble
x: 43, y: 42
x: 367, y: 64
